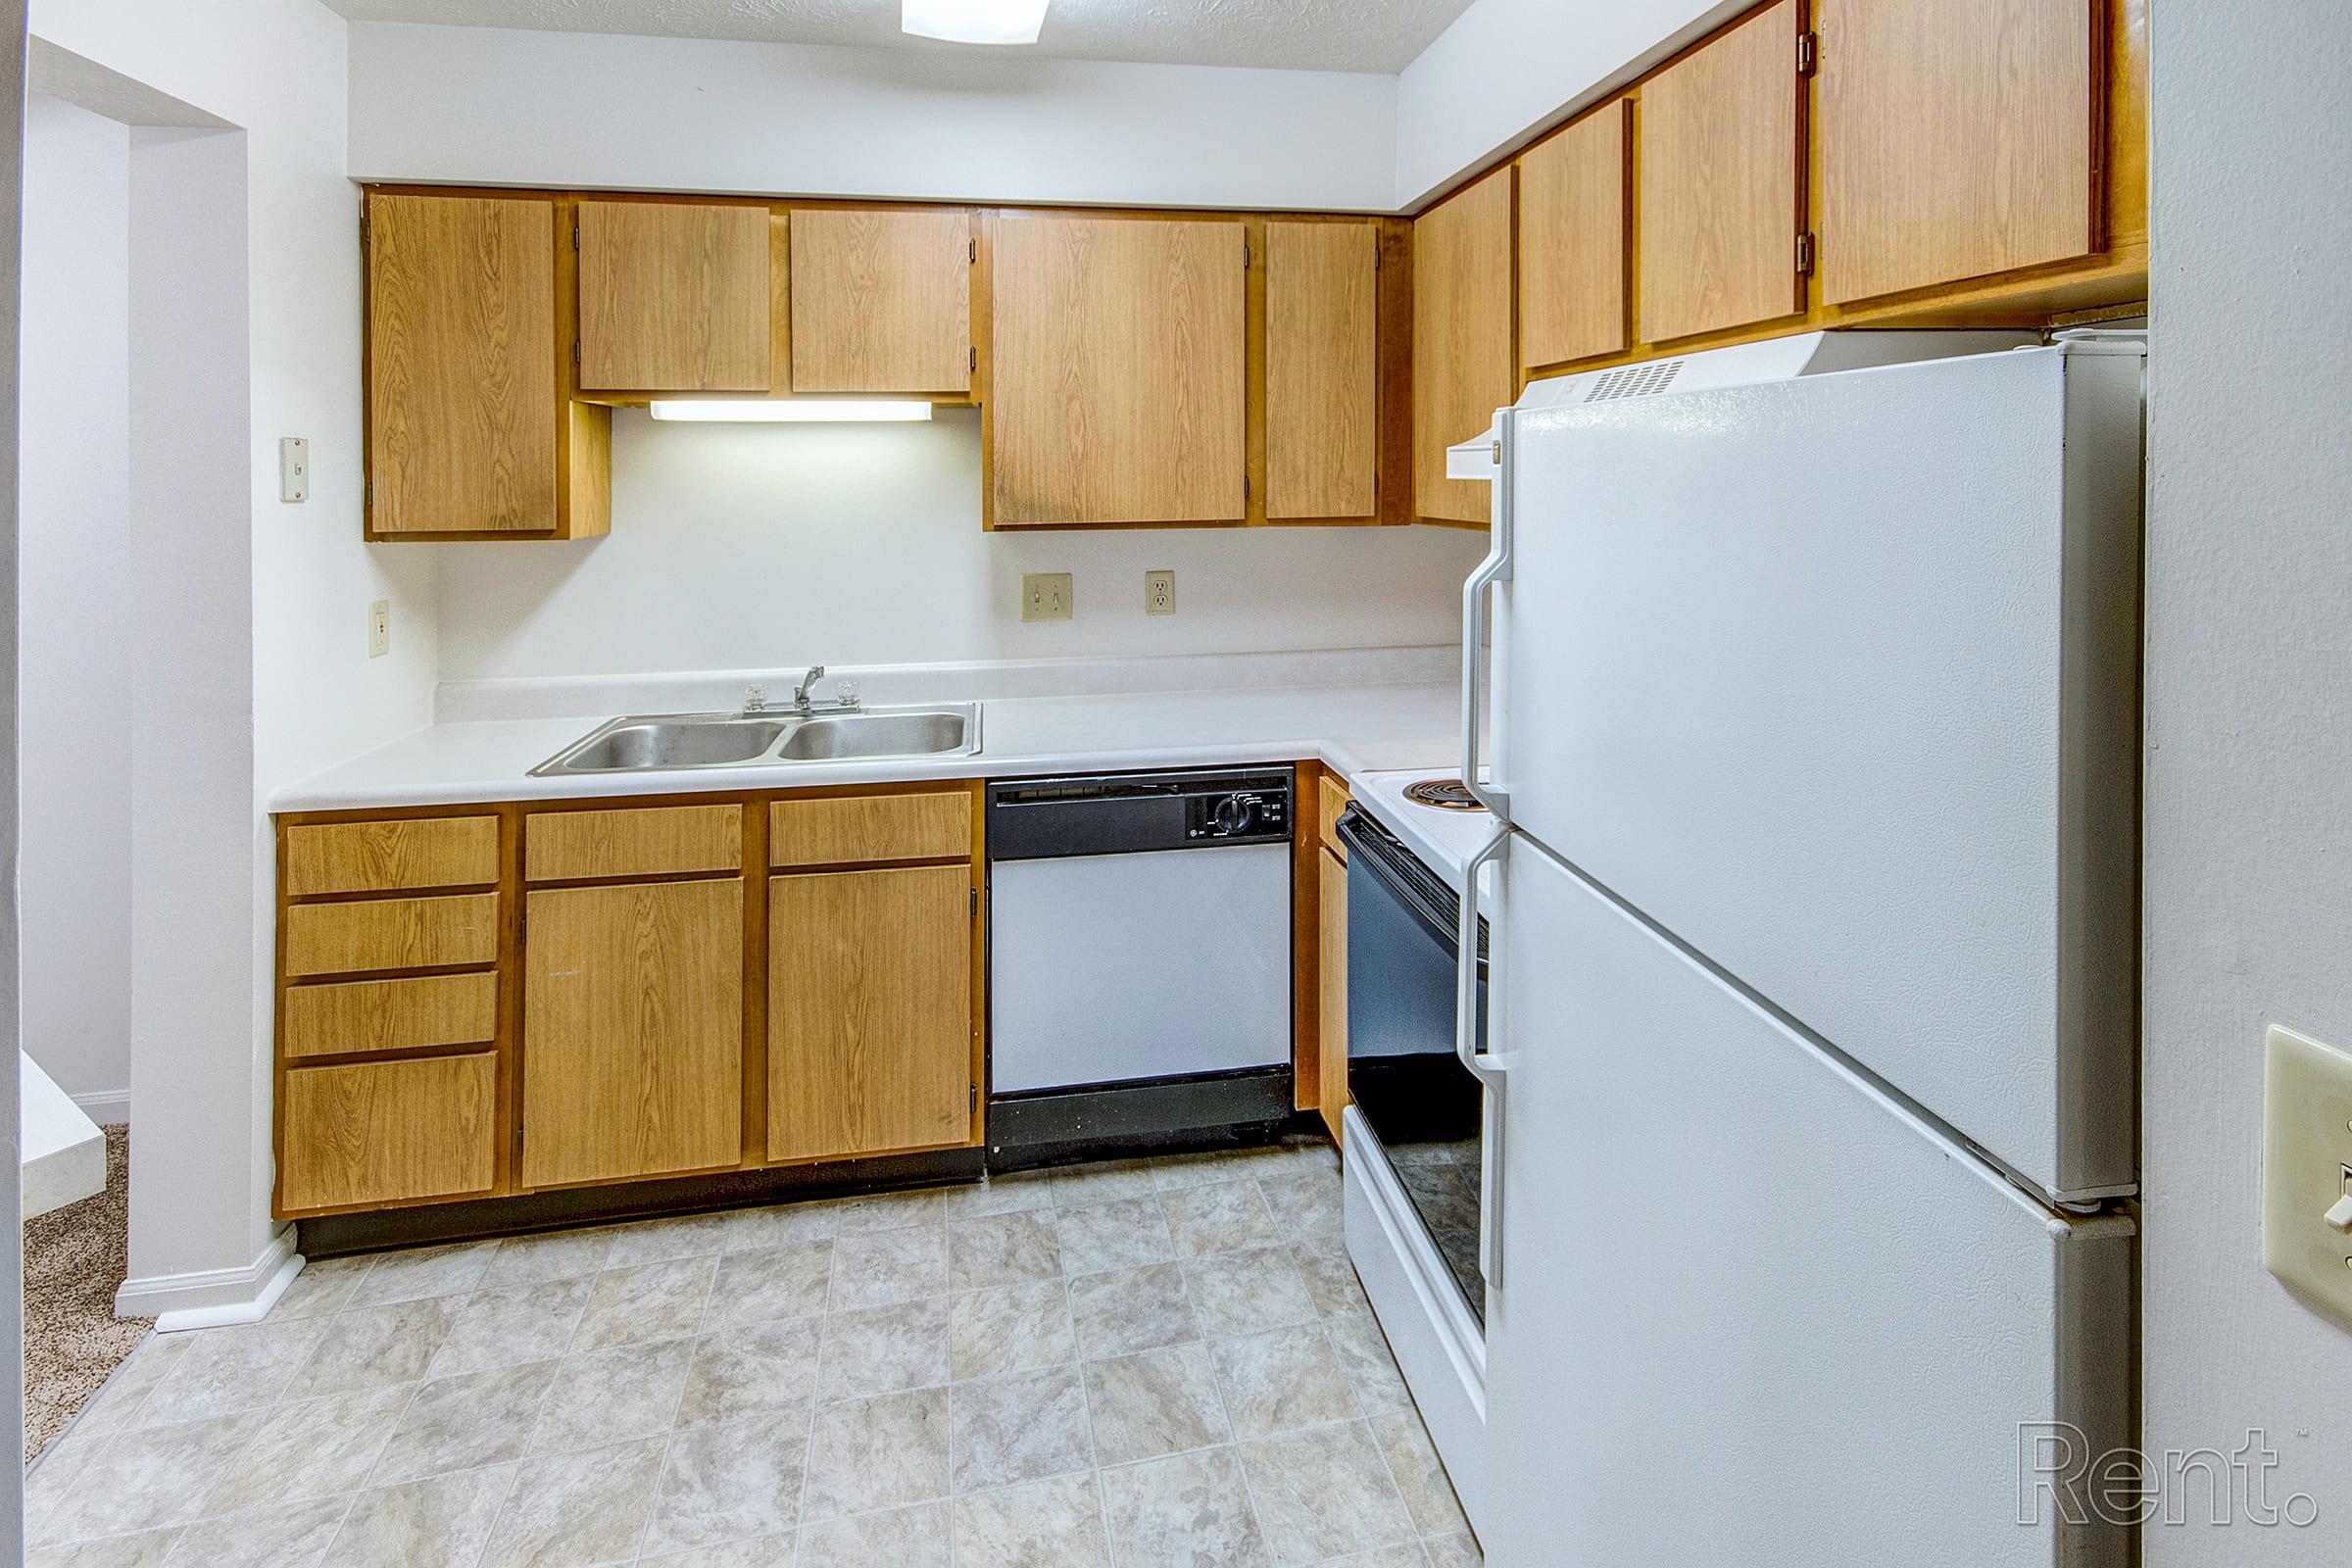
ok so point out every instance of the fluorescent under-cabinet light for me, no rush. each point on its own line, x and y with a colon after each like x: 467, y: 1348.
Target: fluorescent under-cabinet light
x: 821, y: 411
x: 974, y: 21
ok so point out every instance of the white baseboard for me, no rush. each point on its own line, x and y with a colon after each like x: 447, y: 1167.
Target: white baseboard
x: 106, y: 1107
x: 212, y: 1298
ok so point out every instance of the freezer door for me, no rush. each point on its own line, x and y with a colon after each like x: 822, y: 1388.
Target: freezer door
x: 1838, y: 680
x: 1752, y: 1313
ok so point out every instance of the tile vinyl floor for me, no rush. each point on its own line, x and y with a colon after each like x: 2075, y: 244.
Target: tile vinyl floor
x: 1149, y: 1364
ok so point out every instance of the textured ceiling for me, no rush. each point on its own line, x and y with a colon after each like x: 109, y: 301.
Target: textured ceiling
x: 1382, y: 35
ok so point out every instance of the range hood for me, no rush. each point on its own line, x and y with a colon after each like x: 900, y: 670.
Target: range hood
x: 1779, y: 359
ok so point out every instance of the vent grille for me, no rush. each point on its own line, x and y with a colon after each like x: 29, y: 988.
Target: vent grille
x: 1635, y: 381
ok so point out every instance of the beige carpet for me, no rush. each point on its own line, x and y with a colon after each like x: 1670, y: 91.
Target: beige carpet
x: 74, y: 1258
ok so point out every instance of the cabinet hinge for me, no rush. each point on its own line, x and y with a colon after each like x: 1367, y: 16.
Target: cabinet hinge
x: 1808, y: 53
x: 575, y: 236
x: 363, y: 228
x: 975, y: 904
x: 975, y: 355
x: 575, y: 351
x: 368, y: 494
x: 975, y: 1096
x: 522, y: 928
x: 1246, y: 256
x: 1804, y: 255
x: 972, y: 251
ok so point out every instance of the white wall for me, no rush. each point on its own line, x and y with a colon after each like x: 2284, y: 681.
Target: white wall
x: 75, y: 619
x: 2249, y: 712
x: 739, y: 547
x: 1509, y: 67
x: 687, y: 114
x: 293, y: 624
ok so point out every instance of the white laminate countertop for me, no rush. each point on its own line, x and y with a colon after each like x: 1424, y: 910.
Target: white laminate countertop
x: 1355, y: 729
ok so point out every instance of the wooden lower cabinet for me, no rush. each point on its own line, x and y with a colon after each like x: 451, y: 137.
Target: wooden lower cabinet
x: 1331, y: 969
x: 381, y: 1133
x: 632, y: 1031
x: 871, y: 1013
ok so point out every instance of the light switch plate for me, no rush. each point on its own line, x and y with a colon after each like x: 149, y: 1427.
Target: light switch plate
x: 1046, y: 595
x: 1159, y: 591
x: 2307, y: 1168
x: 293, y: 467
x: 379, y: 628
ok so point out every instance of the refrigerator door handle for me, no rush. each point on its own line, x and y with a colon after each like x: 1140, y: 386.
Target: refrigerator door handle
x: 1488, y: 1071
x: 1496, y: 567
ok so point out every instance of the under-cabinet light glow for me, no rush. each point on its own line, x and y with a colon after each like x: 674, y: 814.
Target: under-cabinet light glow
x: 974, y: 21
x: 813, y: 410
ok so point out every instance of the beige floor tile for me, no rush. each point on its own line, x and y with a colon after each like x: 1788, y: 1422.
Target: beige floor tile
x: 774, y: 1282
x: 440, y: 1523
x: 146, y: 1549
x: 1329, y: 1275
x: 323, y: 1286
x: 754, y: 1230
x: 424, y: 1272
x: 377, y: 1347
x: 893, y: 1212
x: 1363, y: 1353
x: 1131, y: 1310
x: 312, y: 1448
x: 1159, y: 1403
x: 1324, y: 1492
x: 883, y: 1349
x: 896, y: 1537
x: 1010, y: 1193
x: 510, y: 1325
x: 1128, y: 1233
x: 1103, y: 1182
x: 1407, y: 1555
x: 231, y: 1369
x: 1191, y: 1510
x: 1419, y: 1473
x: 1045, y: 1524
x: 1172, y: 1173
x: 886, y: 1451
x: 1244, y: 1293
x: 1008, y: 1328
x: 1221, y: 1217
x: 146, y: 1479
x: 116, y: 1405
x: 600, y: 1398
x: 665, y: 1240
x: 1002, y: 1248
x: 466, y: 1422
x: 723, y: 1483
x: 554, y: 1255
x: 1020, y: 1426
x: 762, y: 1370
x: 50, y: 1480
x: 1305, y: 1206
x: 763, y: 1551
x: 1458, y: 1550
x: 284, y: 1535
x: 879, y: 1268
x: 1281, y: 1381
x: 577, y: 1511
x: 649, y: 1301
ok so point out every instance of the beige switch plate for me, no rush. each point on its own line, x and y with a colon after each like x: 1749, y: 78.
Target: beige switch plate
x: 1046, y: 595
x: 379, y: 628
x: 2306, y: 1150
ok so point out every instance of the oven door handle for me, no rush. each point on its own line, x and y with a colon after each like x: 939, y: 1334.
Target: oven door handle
x: 1490, y: 1072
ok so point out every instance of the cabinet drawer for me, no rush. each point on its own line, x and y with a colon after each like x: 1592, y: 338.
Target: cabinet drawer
x: 1331, y: 799
x: 391, y: 856
x: 391, y: 934
x: 441, y: 1009
x: 387, y: 1132
x: 652, y: 841
x: 853, y: 830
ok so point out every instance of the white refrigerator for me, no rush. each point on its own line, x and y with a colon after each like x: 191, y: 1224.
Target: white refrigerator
x: 1813, y: 1042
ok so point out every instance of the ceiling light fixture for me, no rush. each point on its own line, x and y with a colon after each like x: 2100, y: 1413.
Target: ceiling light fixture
x: 974, y: 21
x: 841, y: 410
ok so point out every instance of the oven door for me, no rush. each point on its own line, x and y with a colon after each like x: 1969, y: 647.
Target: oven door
x: 1422, y: 1105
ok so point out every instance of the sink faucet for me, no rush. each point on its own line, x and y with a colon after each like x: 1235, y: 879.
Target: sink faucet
x: 755, y: 697
x: 800, y: 693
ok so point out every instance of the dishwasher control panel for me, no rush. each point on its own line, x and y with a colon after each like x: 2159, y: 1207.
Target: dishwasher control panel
x: 1131, y: 813
x: 1239, y: 814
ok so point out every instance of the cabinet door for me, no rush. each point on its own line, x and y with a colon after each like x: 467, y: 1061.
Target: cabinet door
x: 1956, y: 140
x: 1720, y: 151
x: 869, y: 1012
x: 1322, y: 370
x: 632, y: 1043
x: 1119, y: 387
x: 673, y: 298
x: 1572, y: 261
x: 881, y: 301
x: 1331, y: 972
x: 1462, y: 369
x: 461, y: 390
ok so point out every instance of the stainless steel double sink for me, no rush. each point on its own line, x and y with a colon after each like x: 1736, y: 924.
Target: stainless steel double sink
x: 644, y: 742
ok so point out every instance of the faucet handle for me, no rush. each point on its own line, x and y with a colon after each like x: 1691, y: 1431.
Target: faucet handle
x: 845, y: 693
x: 755, y: 699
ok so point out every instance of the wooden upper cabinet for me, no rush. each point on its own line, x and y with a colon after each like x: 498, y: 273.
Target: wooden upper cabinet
x: 1462, y: 354
x: 882, y: 301
x: 1322, y: 370
x: 1721, y: 145
x: 1119, y: 384
x: 1572, y: 241
x: 673, y: 297
x: 1956, y: 140
x: 462, y: 398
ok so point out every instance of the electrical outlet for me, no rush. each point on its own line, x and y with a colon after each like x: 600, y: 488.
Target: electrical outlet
x: 293, y: 467
x: 1160, y: 593
x: 379, y: 628
x: 1046, y: 595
